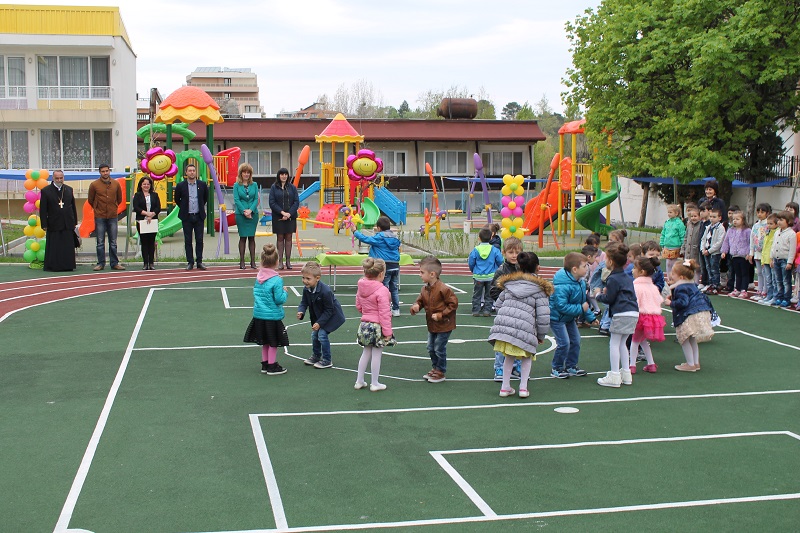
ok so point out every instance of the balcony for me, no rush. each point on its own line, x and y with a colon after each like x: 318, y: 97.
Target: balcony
x: 55, y: 97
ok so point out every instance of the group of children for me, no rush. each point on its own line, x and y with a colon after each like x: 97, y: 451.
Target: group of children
x: 628, y: 280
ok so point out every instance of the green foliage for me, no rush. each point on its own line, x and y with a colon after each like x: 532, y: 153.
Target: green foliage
x: 486, y: 110
x: 510, y: 111
x: 690, y: 88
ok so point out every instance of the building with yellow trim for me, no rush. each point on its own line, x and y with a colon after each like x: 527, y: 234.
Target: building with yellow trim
x: 67, y: 88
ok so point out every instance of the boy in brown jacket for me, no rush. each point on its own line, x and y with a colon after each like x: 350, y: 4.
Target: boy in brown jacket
x: 440, y: 306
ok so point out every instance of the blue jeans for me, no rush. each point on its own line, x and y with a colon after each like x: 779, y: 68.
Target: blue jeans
x: 568, y: 344
x: 437, y: 349
x: 194, y: 223
x: 712, y: 267
x: 783, y: 280
x: 768, y: 281
x: 392, y: 282
x: 480, y: 293
x: 320, y: 345
x: 103, y: 226
x: 500, y: 358
x: 605, y: 320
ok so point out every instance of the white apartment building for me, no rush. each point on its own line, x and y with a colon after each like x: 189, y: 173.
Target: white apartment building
x: 224, y: 85
x: 67, y: 88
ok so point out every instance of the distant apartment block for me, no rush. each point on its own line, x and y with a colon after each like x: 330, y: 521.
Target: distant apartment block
x: 315, y: 110
x: 67, y: 88
x: 229, y: 86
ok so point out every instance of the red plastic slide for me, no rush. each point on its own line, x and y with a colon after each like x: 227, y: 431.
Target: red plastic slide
x: 328, y: 214
x: 533, y: 210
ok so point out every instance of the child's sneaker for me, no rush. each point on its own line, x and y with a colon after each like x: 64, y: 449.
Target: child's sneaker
x: 713, y: 291
x: 632, y: 369
x: 651, y: 368
x: 560, y: 374
x: 793, y: 300
x: 436, y: 376
x: 626, y: 377
x: 498, y: 374
x: 360, y: 385
x: 395, y: 312
x: 611, y: 379
x: 427, y: 376
x: 311, y: 361
x: 734, y: 294
x: 507, y: 392
x: 275, y: 369
x: 576, y: 372
x: 524, y: 393
x: 744, y: 296
x: 377, y: 387
x: 766, y: 301
x: 323, y: 364
x: 264, y: 367
x: 701, y: 288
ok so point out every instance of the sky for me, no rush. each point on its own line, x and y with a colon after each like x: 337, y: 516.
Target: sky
x: 511, y: 50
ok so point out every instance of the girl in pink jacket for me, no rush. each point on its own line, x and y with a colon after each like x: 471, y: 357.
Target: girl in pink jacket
x: 650, y: 326
x: 375, y: 304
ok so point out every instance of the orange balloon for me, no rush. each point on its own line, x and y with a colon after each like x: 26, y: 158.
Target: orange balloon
x: 44, y: 174
x: 29, y: 173
x: 41, y: 183
x: 29, y: 185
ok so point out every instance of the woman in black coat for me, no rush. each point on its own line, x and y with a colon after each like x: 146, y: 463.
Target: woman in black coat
x: 147, y: 205
x: 284, y: 201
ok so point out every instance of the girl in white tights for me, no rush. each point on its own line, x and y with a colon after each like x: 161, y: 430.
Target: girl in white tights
x: 375, y: 304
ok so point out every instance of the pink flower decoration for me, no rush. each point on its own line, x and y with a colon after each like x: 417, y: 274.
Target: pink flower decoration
x: 159, y: 163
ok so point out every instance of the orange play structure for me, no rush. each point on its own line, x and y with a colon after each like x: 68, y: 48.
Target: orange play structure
x: 87, y: 224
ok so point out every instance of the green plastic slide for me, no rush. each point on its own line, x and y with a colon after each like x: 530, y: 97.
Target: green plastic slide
x: 170, y: 224
x: 371, y: 213
x: 588, y: 216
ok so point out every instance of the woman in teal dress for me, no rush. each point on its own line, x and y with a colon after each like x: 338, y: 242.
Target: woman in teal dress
x: 245, y: 200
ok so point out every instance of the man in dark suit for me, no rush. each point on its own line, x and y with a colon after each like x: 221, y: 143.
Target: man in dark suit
x: 191, y: 197
x: 59, y: 215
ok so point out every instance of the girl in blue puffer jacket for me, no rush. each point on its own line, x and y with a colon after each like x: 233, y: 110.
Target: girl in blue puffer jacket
x: 691, y: 313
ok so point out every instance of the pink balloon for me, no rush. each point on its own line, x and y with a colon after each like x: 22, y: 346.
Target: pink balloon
x: 32, y: 196
x: 520, y: 200
x: 505, y: 212
x: 505, y: 200
x: 29, y: 207
x: 517, y: 212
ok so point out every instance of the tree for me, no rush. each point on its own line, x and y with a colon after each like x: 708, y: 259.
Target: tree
x: 486, y: 110
x: 689, y: 89
x: 510, y: 111
x: 360, y: 99
x: 403, y: 110
x: 228, y: 107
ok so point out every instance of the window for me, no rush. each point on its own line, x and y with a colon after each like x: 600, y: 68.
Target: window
x: 447, y: 162
x: 502, y: 163
x: 226, y: 96
x: 73, y: 77
x: 226, y: 82
x: 252, y: 109
x: 313, y: 168
x: 75, y: 149
x: 264, y: 163
x: 14, y: 149
x: 12, y: 77
x: 394, y: 163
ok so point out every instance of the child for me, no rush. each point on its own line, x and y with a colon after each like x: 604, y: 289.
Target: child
x: 593, y: 262
x: 385, y: 245
x: 736, y: 244
x: 495, y: 239
x: 650, y: 326
x: 266, y: 328
x: 705, y: 222
x: 794, y: 209
x: 672, y: 235
x: 634, y: 251
x: 620, y: 298
x: 598, y: 279
x: 784, y: 247
x: 374, y: 303
x: 568, y: 302
x: 483, y: 261
x: 766, y: 261
x: 326, y: 314
x: 512, y: 247
x: 524, y: 294
x: 757, y: 234
x: 440, y: 306
x: 594, y: 240
x: 691, y: 314
x: 652, y: 250
x: 710, y: 249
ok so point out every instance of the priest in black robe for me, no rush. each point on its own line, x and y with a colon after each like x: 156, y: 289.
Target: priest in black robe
x: 59, y: 216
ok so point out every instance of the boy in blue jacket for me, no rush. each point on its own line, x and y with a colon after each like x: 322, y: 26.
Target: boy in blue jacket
x: 567, y: 303
x: 385, y: 245
x: 326, y: 314
x: 483, y: 261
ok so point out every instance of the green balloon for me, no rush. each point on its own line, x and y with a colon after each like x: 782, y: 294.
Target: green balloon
x: 40, y: 254
x: 513, y: 186
x: 32, y: 222
x: 28, y: 243
x: 42, y: 243
x: 35, y: 174
x: 29, y: 256
x: 512, y: 229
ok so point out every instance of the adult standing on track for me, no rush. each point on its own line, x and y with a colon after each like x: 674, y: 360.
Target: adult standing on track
x: 105, y: 195
x: 284, y: 201
x: 245, y: 200
x: 147, y: 206
x: 713, y: 201
x: 191, y: 197
x: 59, y: 216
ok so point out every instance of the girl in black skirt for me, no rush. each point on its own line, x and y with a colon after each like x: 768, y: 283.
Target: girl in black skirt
x: 266, y: 328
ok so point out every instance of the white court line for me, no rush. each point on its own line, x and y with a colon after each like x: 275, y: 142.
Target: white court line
x: 295, y: 291
x: 83, y: 470
x: 471, y: 493
x: 456, y: 289
x: 535, y: 404
x: 759, y: 337
x: 225, y: 300
x: 269, y: 474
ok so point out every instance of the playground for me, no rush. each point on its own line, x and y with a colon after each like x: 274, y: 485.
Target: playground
x: 158, y: 419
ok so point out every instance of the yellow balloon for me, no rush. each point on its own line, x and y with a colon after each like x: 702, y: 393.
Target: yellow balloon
x: 37, y: 204
x: 512, y: 204
x: 28, y: 231
x: 517, y: 222
x: 35, y: 246
x: 504, y: 233
x: 38, y: 232
x: 519, y: 179
x: 519, y: 233
x: 506, y: 223
x: 508, y: 179
x: 506, y: 190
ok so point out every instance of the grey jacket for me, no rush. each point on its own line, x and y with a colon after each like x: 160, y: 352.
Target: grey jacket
x: 523, y: 311
x: 691, y: 241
